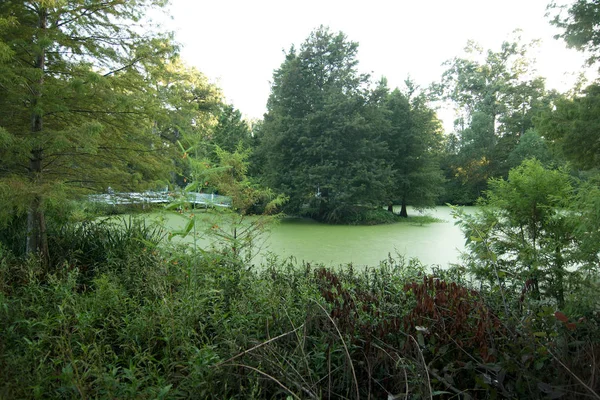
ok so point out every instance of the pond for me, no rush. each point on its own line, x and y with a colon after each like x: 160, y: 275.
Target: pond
x: 438, y: 243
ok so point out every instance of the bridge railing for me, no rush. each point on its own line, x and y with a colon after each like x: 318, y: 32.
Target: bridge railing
x: 150, y: 197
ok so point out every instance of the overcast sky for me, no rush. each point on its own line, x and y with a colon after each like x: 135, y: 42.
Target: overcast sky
x: 239, y: 43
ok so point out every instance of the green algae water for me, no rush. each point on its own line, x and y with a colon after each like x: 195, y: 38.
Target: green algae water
x: 436, y: 243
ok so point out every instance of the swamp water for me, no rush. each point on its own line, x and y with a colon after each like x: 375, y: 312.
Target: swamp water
x: 437, y: 243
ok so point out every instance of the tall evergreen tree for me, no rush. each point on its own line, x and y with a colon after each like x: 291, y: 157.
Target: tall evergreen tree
x: 321, y: 132
x: 76, y: 101
x: 413, y: 141
x: 231, y: 129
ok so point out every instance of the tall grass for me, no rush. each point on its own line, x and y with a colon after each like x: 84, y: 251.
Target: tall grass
x: 117, y: 316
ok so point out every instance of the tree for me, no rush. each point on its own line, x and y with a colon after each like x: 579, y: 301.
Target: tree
x: 231, y: 130
x: 581, y: 26
x: 523, y: 234
x: 320, y: 134
x: 192, y: 104
x: 574, y: 127
x: 76, y: 102
x: 497, y: 104
x: 191, y: 109
x: 531, y: 145
x: 413, y: 139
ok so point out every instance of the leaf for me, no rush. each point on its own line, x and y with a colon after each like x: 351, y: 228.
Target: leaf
x: 540, y: 334
x: 189, y: 226
x: 561, y: 317
x: 550, y: 391
x: 163, y: 392
x: 544, y: 387
x: 539, y: 364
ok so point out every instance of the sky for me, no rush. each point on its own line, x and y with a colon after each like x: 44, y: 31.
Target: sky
x: 238, y: 44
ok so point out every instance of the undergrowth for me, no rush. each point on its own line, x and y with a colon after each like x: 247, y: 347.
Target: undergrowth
x: 115, y: 315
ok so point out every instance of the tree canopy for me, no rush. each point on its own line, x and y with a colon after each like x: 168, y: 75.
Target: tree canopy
x: 580, y: 26
x: 320, y: 128
x: 574, y: 127
x: 497, y: 102
x: 413, y: 141
x: 334, y: 142
x: 77, y: 101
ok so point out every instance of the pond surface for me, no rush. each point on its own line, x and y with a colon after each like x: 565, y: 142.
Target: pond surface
x: 438, y: 243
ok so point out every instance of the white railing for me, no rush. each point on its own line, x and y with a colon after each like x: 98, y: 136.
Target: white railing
x: 207, y: 199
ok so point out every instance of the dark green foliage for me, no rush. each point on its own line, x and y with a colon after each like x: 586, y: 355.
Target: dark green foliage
x: 320, y: 135
x: 531, y: 145
x: 336, y: 146
x: 580, y: 25
x: 574, y: 127
x: 231, y: 130
x: 153, y: 322
x: 93, y: 246
x: 413, y: 141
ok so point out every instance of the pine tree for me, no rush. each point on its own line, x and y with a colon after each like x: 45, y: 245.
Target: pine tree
x: 320, y: 135
x: 413, y: 141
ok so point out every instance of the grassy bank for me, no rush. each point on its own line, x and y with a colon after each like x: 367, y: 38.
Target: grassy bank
x: 117, y: 316
x: 359, y: 215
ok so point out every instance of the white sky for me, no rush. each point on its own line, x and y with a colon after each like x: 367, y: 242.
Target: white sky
x: 239, y: 43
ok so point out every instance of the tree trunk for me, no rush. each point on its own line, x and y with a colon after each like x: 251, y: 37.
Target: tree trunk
x: 403, y: 212
x: 37, y: 241
x: 391, y: 207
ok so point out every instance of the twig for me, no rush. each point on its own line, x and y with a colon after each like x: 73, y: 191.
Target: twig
x: 425, y: 366
x: 345, y: 348
x: 265, y: 374
x: 256, y: 347
x: 575, y: 376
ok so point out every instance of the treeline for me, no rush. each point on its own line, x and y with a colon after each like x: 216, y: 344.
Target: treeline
x: 333, y: 143
x: 336, y: 142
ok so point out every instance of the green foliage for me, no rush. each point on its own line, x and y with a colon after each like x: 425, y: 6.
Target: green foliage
x: 497, y: 104
x: 231, y: 131
x: 524, y: 239
x: 573, y: 127
x: 229, y: 225
x: 335, y: 145
x: 78, y: 102
x: 531, y: 145
x: 580, y: 26
x: 320, y: 136
x: 413, y: 141
x: 155, y: 322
